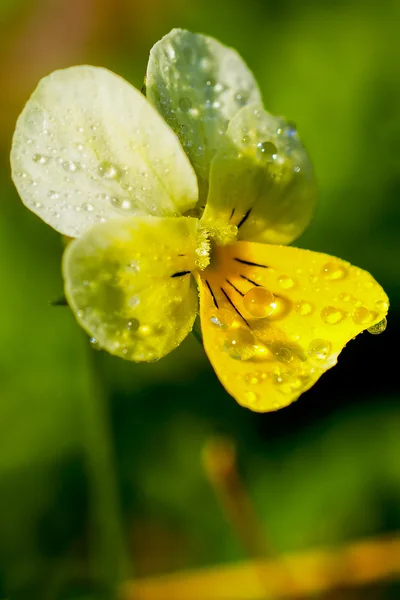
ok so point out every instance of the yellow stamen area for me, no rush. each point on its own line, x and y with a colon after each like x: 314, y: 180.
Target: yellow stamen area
x: 275, y: 318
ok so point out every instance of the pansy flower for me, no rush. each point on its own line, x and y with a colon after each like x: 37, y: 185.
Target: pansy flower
x: 182, y: 200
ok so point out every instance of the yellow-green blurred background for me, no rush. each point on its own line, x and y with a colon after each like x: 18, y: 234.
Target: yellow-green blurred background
x: 82, y: 432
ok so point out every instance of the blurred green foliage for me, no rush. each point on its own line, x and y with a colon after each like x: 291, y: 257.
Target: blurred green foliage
x: 81, y: 435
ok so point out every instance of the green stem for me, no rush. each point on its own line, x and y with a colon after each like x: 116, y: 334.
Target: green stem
x: 108, y: 544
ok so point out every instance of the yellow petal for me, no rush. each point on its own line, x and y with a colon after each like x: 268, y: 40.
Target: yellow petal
x: 275, y: 318
x: 129, y: 285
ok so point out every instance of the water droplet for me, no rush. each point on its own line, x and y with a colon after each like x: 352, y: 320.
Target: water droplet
x: 224, y: 318
x: 287, y: 382
x: 378, y: 328
x: 266, y: 149
x: 259, y: 302
x: 145, y: 330
x: 53, y: 195
x: 88, y: 207
x: 239, y: 344
x: 362, y: 316
x: 286, y: 282
x: 332, y: 315
x: 246, y: 139
x: 252, y: 378
x: 289, y: 129
x: 184, y: 104
x: 284, y: 354
x: 304, y: 308
x: 133, y: 266
x: 134, y: 301
x: 251, y: 397
x: 333, y: 271
x: 70, y: 166
x: 382, y: 305
x: 121, y: 204
x: 108, y: 170
x: 94, y: 343
x: 39, y: 158
x: 319, y: 349
x: 132, y: 325
x: 346, y: 297
x: 241, y: 99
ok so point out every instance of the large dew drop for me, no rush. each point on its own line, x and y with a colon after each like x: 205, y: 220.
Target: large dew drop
x: 259, y: 302
x: 378, y: 328
x: 239, y: 344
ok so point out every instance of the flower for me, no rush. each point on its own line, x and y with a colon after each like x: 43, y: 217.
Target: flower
x: 194, y: 184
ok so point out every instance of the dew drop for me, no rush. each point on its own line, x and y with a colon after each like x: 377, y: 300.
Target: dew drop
x: 251, y: 397
x: 319, y: 349
x: 346, y: 297
x: 224, y: 318
x: 332, y: 315
x: 94, y: 343
x: 286, y: 282
x: 134, y: 301
x: 304, y: 308
x: 287, y: 382
x: 284, y: 354
x: 239, y: 344
x: 382, y: 305
x: 246, y: 139
x: 70, y: 166
x: 289, y: 130
x: 145, y: 330
x: 259, y: 302
x: 378, y: 328
x: 184, y: 104
x: 266, y: 149
x: 133, y: 266
x: 108, y: 170
x: 362, y: 316
x: 333, y: 271
x: 132, y: 325
x: 88, y: 207
x: 39, y: 158
x: 53, y: 195
x: 121, y: 204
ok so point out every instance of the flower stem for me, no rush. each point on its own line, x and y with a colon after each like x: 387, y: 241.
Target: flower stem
x: 111, y: 564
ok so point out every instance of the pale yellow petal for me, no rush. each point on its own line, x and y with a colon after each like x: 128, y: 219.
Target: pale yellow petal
x: 129, y: 284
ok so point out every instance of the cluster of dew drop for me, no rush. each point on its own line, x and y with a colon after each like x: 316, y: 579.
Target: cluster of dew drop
x: 201, y: 116
x: 88, y: 185
x: 288, y: 369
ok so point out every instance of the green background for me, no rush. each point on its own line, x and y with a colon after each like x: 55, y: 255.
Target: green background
x: 93, y: 449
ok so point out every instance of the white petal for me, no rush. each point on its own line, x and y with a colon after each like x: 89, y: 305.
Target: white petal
x: 88, y: 146
x: 198, y: 85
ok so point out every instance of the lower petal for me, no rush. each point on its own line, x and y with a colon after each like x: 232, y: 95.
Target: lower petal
x: 129, y: 284
x: 275, y: 318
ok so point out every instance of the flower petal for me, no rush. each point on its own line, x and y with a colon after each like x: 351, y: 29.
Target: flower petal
x: 88, y: 146
x: 275, y: 318
x: 261, y: 179
x: 129, y: 285
x: 198, y: 85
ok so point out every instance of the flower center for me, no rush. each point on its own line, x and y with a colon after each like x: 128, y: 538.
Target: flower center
x: 210, y: 236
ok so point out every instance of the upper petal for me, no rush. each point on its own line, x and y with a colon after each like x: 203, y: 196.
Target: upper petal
x: 88, y: 146
x: 275, y: 318
x: 129, y: 285
x: 261, y: 179
x: 198, y: 85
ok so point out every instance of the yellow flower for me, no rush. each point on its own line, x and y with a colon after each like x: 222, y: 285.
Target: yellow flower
x: 195, y: 184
